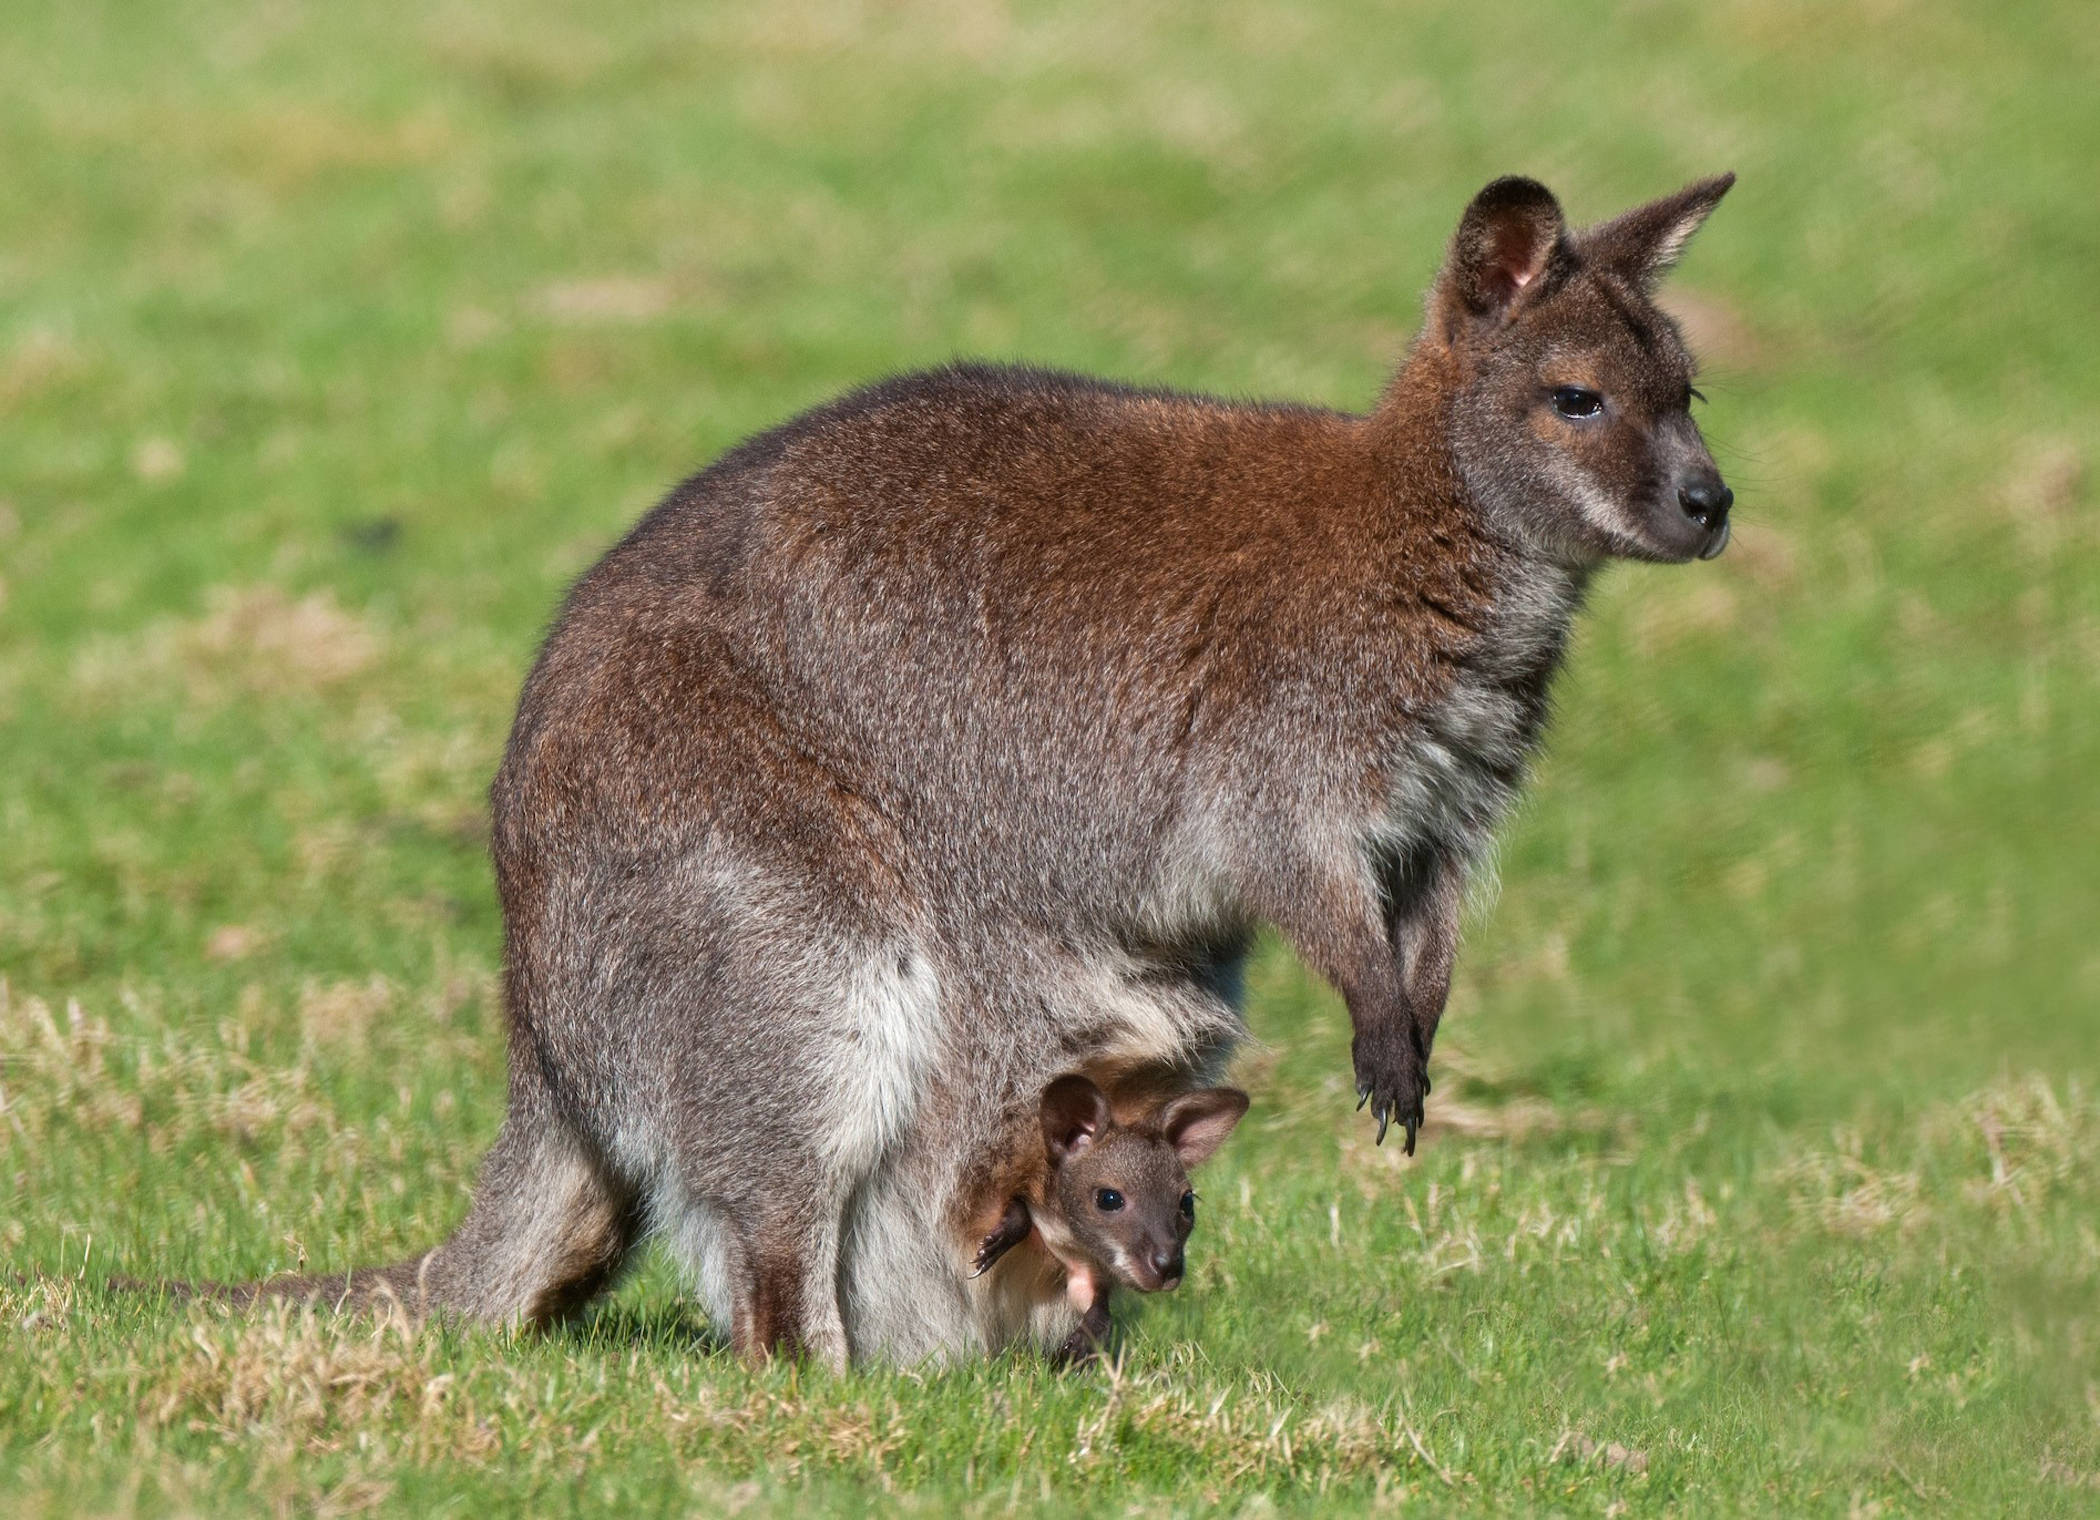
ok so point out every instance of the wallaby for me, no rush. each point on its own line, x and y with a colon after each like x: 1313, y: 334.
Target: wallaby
x: 1105, y: 1201
x: 962, y: 731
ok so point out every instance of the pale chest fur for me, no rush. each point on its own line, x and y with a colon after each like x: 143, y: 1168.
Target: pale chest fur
x: 1459, y: 762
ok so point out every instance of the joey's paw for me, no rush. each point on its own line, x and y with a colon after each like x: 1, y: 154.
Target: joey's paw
x: 1393, y: 1080
x: 1012, y: 1229
x: 1077, y: 1350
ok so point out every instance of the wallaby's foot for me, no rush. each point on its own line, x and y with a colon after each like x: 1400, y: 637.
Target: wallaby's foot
x: 1393, y: 1078
x: 763, y: 1326
x: 756, y: 1351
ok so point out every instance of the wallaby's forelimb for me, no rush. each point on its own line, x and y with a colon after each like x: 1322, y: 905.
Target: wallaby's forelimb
x: 1336, y: 923
x: 1425, y: 894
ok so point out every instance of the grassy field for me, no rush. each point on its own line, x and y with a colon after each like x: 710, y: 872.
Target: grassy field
x: 335, y: 339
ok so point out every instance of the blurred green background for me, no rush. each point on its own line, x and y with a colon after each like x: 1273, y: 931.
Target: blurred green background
x: 334, y: 340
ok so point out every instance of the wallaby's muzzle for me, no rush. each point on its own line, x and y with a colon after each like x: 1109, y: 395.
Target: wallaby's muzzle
x: 1156, y: 1269
x: 1706, y: 499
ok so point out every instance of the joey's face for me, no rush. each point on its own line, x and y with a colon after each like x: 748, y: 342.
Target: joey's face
x: 1128, y: 1205
x: 1119, y: 1194
x: 1572, y: 422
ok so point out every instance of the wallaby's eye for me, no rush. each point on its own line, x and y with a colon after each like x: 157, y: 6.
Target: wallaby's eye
x: 1107, y: 1200
x: 1188, y: 1205
x: 1575, y: 403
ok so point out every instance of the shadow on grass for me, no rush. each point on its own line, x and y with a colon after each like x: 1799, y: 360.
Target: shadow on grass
x: 660, y: 1324
x: 654, y: 1323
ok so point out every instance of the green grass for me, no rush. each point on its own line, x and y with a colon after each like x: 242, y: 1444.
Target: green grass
x: 335, y: 339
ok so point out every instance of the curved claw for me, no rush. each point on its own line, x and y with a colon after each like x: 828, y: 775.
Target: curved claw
x: 1363, y: 1096
x: 1412, y: 1125
x: 1385, y: 1117
x: 1012, y: 1229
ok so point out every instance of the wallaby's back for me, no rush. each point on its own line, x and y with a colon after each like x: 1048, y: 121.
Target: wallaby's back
x: 1042, y: 616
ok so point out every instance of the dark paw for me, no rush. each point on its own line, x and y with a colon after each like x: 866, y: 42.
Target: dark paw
x: 1013, y: 1228
x: 1078, y: 1349
x: 1393, y: 1079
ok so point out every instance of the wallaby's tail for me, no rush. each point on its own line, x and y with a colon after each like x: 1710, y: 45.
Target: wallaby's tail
x: 548, y: 1231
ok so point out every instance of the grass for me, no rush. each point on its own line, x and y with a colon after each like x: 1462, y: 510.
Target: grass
x: 334, y: 340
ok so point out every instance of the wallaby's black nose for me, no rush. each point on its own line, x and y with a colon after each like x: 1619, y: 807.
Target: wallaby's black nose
x: 1705, y: 500
x: 1168, y: 1265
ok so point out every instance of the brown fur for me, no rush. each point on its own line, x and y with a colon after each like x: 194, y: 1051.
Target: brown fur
x: 961, y: 732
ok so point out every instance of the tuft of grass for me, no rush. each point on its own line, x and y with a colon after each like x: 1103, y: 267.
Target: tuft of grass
x: 335, y: 341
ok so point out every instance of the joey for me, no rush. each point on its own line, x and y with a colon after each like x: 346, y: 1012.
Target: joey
x: 1112, y: 1202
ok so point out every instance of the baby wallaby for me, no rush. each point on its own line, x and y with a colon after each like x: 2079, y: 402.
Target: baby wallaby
x: 1111, y: 1201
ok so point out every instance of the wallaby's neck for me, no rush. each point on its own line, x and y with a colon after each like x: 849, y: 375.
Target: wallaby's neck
x: 1534, y: 590
x: 1417, y: 400
x: 1410, y: 436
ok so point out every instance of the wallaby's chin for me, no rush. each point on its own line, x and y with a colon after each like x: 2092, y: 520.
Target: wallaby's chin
x: 1669, y: 537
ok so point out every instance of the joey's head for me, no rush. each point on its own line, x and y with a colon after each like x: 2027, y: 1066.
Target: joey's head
x: 1571, y: 423
x: 1119, y: 1194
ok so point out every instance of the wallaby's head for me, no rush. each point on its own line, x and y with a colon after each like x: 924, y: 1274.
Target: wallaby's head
x: 1119, y: 1194
x: 1572, y: 420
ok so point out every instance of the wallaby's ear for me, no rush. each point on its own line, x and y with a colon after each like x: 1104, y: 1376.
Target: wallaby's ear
x: 1074, y: 1112
x: 1643, y: 244
x: 1505, y: 243
x: 1197, y: 1123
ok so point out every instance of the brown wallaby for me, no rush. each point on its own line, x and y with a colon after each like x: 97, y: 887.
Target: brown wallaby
x: 961, y: 731
x: 1105, y: 1201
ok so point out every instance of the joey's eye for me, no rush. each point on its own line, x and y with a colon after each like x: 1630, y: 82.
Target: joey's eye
x: 1575, y: 403
x: 1107, y: 1200
x: 1188, y: 1205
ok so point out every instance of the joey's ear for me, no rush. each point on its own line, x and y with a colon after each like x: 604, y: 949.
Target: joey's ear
x: 1197, y: 1123
x: 1643, y: 244
x: 1504, y: 246
x: 1074, y: 1113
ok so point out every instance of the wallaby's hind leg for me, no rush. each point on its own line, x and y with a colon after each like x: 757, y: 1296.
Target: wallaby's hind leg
x: 549, y: 1228
x: 547, y: 1232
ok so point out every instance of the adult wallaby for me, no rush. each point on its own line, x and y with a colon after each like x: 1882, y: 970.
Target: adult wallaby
x: 961, y: 731
x: 1100, y: 1200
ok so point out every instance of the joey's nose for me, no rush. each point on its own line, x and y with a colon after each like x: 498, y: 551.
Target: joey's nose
x: 1168, y: 1264
x: 1705, y: 500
